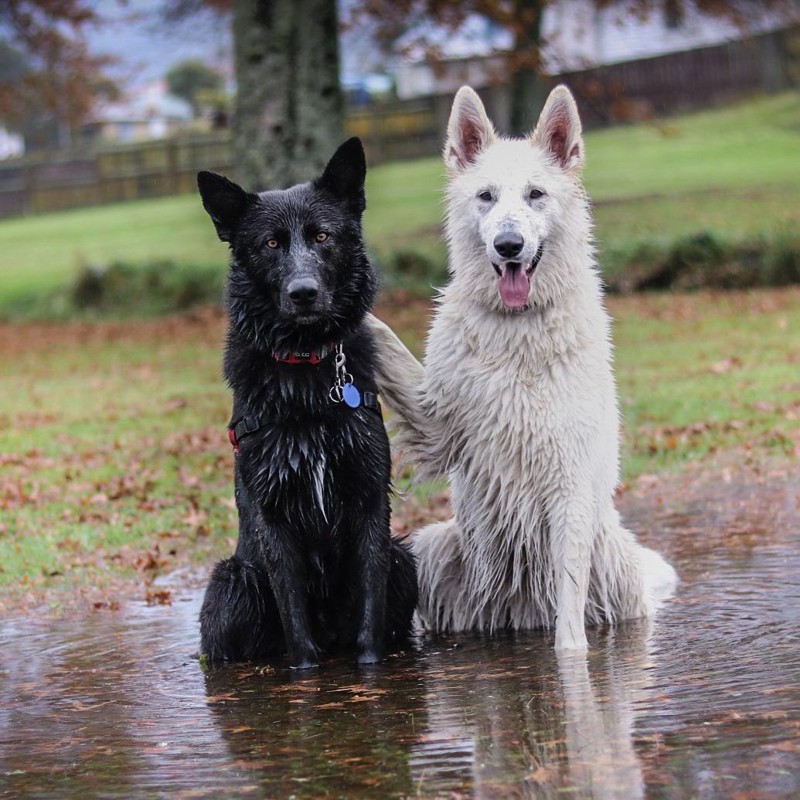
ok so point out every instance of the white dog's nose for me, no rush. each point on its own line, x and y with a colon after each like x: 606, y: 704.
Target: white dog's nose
x: 508, y: 244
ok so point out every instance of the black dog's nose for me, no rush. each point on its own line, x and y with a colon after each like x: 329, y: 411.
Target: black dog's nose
x: 303, y: 291
x: 508, y: 244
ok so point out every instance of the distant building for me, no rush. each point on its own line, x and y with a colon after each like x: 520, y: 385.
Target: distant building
x: 577, y: 36
x: 149, y: 113
x: 11, y: 144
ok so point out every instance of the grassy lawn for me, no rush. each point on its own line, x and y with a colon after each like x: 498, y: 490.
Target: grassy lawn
x: 707, y: 376
x: 116, y: 467
x: 114, y: 451
x: 732, y: 171
x: 114, y: 462
x: 44, y: 252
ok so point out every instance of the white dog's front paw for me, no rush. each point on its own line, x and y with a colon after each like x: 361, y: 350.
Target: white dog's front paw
x: 571, y: 637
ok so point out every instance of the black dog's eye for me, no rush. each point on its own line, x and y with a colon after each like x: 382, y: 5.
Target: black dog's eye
x: 535, y: 194
x: 485, y: 196
x: 321, y: 237
x: 272, y: 244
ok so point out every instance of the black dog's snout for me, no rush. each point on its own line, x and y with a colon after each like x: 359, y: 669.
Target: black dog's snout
x: 508, y: 244
x: 303, y: 291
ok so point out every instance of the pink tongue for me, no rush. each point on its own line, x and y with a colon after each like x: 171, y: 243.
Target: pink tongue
x: 514, y: 285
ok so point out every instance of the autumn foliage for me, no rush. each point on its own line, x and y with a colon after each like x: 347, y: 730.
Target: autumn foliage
x: 49, y: 70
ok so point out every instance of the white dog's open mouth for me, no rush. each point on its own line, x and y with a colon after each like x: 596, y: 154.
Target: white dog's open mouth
x: 515, y: 280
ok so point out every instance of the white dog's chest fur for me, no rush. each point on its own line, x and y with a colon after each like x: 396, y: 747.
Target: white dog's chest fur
x: 518, y: 385
x: 521, y: 400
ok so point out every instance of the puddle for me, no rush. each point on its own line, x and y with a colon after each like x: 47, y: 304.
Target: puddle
x: 704, y: 703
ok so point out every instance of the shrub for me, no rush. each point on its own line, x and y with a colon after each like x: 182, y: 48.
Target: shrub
x: 413, y: 271
x: 156, y: 287
x: 706, y: 261
x: 782, y: 260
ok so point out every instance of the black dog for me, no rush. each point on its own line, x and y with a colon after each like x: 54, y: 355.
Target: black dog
x: 315, y: 566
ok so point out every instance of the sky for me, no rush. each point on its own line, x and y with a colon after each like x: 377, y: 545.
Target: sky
x: 146, y: 47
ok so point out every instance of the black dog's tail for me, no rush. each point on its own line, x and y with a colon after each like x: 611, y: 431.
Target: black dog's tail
x: 239, y: 618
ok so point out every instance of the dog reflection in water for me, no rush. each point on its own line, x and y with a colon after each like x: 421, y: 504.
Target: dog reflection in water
x: 537, y: 732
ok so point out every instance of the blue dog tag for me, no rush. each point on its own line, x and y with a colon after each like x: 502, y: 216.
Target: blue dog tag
x: 351, y: 395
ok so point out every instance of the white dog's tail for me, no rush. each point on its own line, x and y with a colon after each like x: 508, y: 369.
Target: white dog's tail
x: 627, y: 581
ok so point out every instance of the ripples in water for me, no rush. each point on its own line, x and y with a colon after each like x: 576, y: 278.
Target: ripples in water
x: 704, y: 702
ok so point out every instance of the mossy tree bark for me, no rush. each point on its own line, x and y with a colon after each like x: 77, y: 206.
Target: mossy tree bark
x: 527, y: 84
x: 289, y: 108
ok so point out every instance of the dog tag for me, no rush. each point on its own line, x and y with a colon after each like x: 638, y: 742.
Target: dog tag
x: 351, y: 395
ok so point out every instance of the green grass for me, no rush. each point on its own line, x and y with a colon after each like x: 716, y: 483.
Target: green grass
x: 731, y: 171
x: 738, y: 147
x: 115, y: 466
x: 114, y: 453
x: 707, y: 375
x: 44, y: 252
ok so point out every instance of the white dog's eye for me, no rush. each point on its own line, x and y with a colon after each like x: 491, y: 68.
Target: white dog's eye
x: 485, y: 196
x: 535, y: 194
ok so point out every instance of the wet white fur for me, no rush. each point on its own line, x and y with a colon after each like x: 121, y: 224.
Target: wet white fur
x: 519, y: 409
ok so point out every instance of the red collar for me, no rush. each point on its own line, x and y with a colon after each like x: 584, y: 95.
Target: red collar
x: 309, y: 357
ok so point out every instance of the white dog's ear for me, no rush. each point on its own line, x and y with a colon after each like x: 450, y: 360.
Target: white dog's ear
x: 559, y: 129
x: 469, y: 130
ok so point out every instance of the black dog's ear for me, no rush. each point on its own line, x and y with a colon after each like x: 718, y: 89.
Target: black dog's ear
x: 224, y: 201
x: 345, y: 174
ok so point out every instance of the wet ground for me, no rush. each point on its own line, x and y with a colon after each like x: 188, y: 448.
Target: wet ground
x: 702, y: 703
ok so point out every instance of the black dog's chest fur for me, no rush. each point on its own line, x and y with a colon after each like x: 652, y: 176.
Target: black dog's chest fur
x: 310, y: 454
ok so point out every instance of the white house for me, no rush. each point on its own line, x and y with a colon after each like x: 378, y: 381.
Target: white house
x: 577, y: 35
x: 148, y: 113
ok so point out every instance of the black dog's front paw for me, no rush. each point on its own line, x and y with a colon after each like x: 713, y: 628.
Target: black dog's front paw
x: 304, y: 663
x: 304, y: 658
x: 371, y: 655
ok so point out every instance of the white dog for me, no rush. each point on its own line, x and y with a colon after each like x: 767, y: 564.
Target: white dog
x: 517, y: 401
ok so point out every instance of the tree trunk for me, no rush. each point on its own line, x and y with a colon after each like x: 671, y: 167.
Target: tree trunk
x: 527, y: 86
x: 289, y: 109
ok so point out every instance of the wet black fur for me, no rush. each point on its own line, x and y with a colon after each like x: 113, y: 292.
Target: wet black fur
x: 315, y: 567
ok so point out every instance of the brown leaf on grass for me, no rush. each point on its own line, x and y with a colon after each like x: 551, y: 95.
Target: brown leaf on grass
x: 159, y: 597
x: 195, y: 517
x: 176, y: 404
x: 106, y: 605
x: 150, y: 561
x: 726, y: 365
x: 186, y: 478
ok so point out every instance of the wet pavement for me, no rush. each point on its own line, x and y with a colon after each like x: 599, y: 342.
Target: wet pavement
x: 704, y: 702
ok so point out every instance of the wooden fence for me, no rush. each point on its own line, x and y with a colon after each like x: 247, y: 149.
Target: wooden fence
x: 634, y: 90
x: 49, y: 182
x: 55, y: 181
